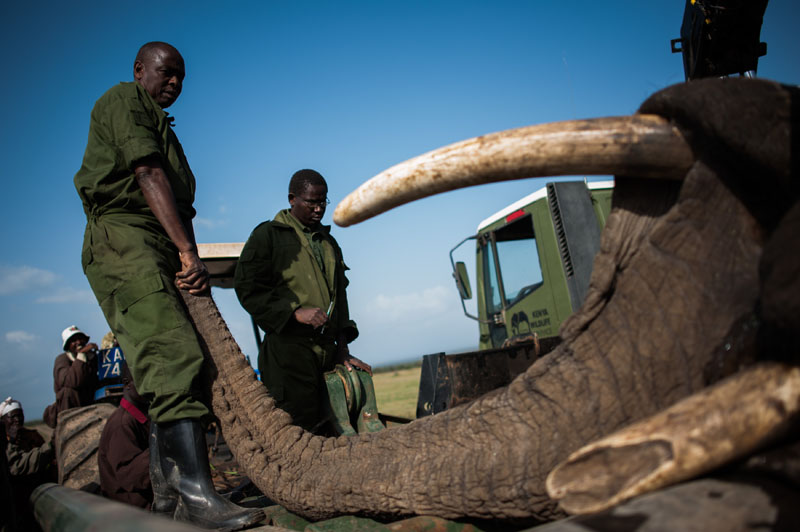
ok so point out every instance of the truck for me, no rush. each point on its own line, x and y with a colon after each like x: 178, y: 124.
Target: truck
x: 533, y: 260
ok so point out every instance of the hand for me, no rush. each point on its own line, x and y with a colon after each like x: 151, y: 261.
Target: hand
x: 88, y: 348
x: 87, y: 352
x: 349, y: 361
x: 194, y: 275
x: 311, y: 316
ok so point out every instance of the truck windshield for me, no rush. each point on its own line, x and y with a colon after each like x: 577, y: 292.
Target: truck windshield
x: 518, y: 259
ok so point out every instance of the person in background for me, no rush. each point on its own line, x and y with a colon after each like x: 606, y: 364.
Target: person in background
x: 31, y: 461
x: 74, y: 374
x: 123, y: 457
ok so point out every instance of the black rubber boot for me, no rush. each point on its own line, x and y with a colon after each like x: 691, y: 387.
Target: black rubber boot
x: 184, y: 463
x: 165, y: 499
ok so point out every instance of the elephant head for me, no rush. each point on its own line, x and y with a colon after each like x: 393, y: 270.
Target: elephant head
x: 697, y: 277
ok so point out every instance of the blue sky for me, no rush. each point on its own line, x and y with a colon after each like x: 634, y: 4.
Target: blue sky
x: 346, y: 88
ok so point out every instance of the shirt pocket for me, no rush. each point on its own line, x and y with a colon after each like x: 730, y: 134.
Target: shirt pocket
x: 140, y: 118
x: 146, y: 308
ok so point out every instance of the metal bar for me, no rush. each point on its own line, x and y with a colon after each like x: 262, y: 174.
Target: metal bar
x: 455, y: 275
x: 58, y: 509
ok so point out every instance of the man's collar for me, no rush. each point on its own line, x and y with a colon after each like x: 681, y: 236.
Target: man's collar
x: 286, y: 217
x: 146, y: 94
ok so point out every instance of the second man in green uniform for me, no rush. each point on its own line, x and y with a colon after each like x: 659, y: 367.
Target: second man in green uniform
x: 291, y: 279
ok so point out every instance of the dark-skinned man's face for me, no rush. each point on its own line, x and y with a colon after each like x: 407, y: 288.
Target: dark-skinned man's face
x: 76, y: 343
x: 161, y: 75
x: 309, y: 206
x: 13, y: 421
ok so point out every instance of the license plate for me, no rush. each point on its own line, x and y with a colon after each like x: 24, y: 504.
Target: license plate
x: 110, y: 363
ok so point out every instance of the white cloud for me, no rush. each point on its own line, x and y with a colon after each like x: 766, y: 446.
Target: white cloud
x: 46, y: 286
x: 209, y: 223
x: 23, y: 338
x: 22, y: 278
x: 68, y: 295
x: 214, y: 222
x: 411, y: 305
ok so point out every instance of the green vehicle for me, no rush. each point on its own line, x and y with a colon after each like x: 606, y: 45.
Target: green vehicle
x: 533, y: 261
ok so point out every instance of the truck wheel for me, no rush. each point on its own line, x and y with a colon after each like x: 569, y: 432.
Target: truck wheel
x: 77, y: 439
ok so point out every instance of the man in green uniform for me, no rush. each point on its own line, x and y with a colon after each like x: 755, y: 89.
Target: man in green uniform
x: 137, y: 191
x: 291, y: 278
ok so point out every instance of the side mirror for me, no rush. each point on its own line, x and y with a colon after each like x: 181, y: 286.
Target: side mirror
x: 462, y: 281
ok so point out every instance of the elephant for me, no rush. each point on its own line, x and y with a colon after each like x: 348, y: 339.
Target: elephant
x: 697, y: 281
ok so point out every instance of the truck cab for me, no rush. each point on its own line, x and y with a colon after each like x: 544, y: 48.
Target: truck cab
x: 533, y: 262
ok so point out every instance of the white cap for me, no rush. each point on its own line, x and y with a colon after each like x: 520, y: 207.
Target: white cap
x: 9, y: 405
x: 68, y: 333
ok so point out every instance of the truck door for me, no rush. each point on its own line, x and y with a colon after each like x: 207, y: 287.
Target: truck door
x: 512, y: 277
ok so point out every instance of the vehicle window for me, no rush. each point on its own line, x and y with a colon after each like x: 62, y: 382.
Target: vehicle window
x: 493, y: 302
x: 519, y: 262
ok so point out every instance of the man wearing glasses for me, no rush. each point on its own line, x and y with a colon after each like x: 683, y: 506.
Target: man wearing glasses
x: 291, y: 279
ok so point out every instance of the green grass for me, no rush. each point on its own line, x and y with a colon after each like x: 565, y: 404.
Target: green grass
x: 396, y: 391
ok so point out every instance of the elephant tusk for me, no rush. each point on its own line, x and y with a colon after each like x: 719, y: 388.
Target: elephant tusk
x: 702, y: 432
x: 639, y: 145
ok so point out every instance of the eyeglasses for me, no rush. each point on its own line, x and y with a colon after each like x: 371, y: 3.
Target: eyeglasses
x: 314, y: 204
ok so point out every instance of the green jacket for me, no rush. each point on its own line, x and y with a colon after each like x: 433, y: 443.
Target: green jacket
x: 277, y: 273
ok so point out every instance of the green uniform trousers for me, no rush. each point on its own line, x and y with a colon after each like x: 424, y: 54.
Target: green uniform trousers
x: 131, y: 264
x: 291, y: 368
